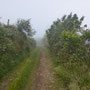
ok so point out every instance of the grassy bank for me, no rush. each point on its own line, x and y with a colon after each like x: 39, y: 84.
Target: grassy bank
x: 22, y: 80
x: 68, y: 78
x: 71, y: 78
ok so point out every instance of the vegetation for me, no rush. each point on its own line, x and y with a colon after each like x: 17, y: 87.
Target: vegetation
x: 16, y: 43
x: 67, y: 40
x: 22, y: 80
x: 69, y: 43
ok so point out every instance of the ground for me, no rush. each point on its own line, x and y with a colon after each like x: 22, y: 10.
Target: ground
x: 44, y: 77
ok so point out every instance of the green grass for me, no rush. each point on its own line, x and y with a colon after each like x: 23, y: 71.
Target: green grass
x: 18, y: 68
x: 74, y: 78
x: 20, y: 83
x: 64, y: 75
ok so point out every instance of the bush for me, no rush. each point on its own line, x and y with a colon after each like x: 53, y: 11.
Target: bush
x: 69, y: 43
x: 15, y: 45
x: 64, y: 75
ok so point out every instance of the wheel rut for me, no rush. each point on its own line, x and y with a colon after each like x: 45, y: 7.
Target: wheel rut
x: 43, y: 76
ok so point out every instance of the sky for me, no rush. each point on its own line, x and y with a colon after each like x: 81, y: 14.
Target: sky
x: 42, y: 12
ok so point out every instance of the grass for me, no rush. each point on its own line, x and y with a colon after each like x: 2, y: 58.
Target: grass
x: 73, y: 78
x: 70, y: 79
x: 10, y: 77
x: 20, y: 83
x: 18, y: 68
x: 63, y: 75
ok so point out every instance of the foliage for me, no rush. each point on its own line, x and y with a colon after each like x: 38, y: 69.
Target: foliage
x: 69, y: 41
x: 25, y: 27
x: 64, y: 76
x: 15, y: 45
x: 21, y: 81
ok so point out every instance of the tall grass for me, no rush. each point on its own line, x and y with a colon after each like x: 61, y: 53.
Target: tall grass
x: 22, y: 80
x: 73, y: 79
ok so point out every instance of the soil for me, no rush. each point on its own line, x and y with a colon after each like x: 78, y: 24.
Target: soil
x: 44, y: 77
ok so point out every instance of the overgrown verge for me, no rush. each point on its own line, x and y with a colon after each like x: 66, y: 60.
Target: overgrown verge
x: 69, y: 43
x: 16, y: 42
x: 22, y: 80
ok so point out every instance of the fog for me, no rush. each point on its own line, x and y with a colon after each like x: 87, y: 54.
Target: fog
x: 42, y: 12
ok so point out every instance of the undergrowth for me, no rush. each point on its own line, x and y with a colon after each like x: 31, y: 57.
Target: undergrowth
x: 22, y: 80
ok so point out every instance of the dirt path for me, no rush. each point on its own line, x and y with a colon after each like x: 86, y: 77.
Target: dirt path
x: 44, y: 77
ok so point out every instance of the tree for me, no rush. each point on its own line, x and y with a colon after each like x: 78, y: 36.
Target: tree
x: 24, y: 27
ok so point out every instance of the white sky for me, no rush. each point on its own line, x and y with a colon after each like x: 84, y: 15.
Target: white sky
x: 43, y: 12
